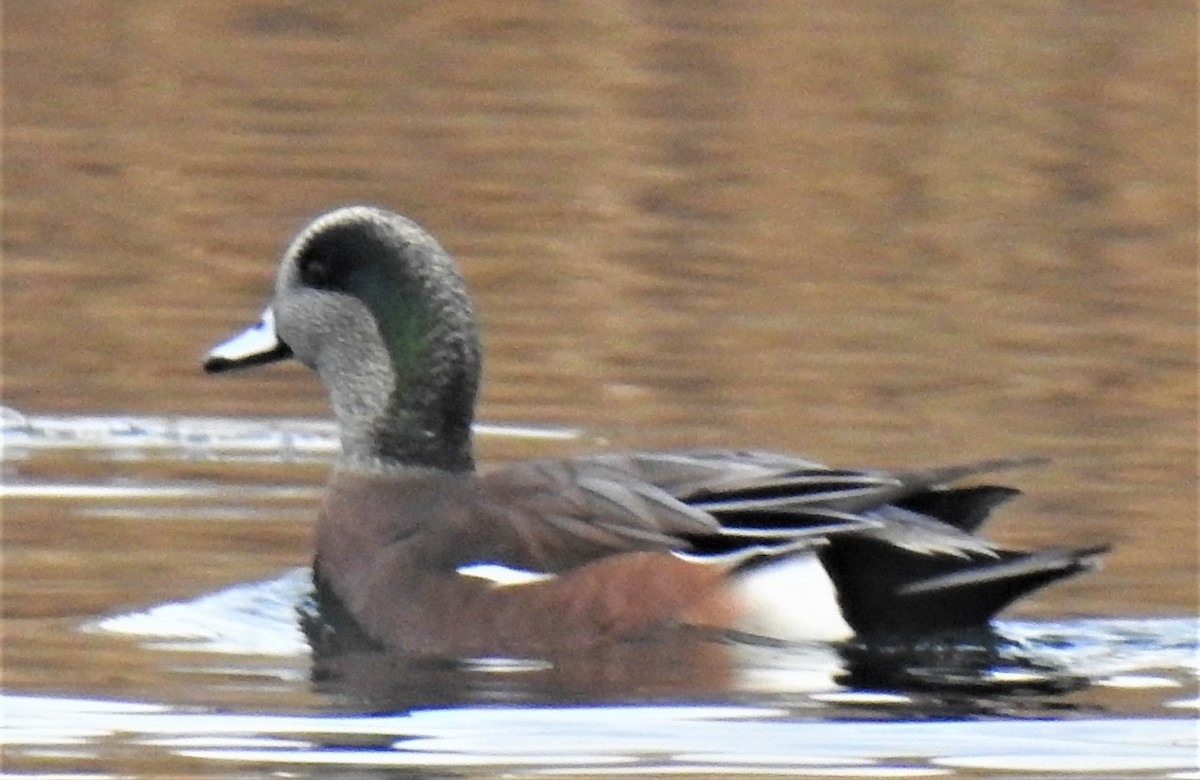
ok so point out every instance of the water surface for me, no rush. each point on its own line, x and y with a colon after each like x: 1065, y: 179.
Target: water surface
x: 879, y: 233
x: 226, y: 682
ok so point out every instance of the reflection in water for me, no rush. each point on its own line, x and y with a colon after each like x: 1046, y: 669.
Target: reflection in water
x: 1019, y: 668
x: 202, y: 438
x: 680, y: 739
x: 240, y: 651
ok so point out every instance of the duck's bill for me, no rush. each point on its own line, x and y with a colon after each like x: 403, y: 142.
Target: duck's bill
x: 254, y: 346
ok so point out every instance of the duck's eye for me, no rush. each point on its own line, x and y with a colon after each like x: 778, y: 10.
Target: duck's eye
x: 315, y: 270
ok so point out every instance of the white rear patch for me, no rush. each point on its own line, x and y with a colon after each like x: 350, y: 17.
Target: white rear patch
x: 502, y: 575
x: 791, y: 599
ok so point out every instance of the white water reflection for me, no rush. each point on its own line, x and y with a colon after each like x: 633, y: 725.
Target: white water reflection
x: 257, y: 618
x: 125, y: 437
x: 71, y: 491
x: 601, y: 741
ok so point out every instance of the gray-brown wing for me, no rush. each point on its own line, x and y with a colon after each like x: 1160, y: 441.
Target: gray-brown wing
x: 757, y: 495
x: 551, y: 515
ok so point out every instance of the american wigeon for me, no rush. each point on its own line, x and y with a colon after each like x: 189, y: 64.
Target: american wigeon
x: 412, y: 540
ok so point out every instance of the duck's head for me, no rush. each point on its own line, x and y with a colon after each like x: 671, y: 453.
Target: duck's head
x: 371, y: 302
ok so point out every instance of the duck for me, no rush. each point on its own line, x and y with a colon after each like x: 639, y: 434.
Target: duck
x: 429, y: 556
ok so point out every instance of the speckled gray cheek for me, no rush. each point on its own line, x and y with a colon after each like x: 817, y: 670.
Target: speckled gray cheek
x: 293, y: 313
x: 336, y: 335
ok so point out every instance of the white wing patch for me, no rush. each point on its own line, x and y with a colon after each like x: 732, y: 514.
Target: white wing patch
x: 502, y: 575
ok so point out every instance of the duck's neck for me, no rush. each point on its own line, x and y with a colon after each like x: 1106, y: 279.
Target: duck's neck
x: 424, y: 421
x: 390, y: 452
x: 403, y: 386
x: 432, y: 432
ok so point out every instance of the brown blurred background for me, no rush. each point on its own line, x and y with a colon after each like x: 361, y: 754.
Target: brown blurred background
x: 883, y: 232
